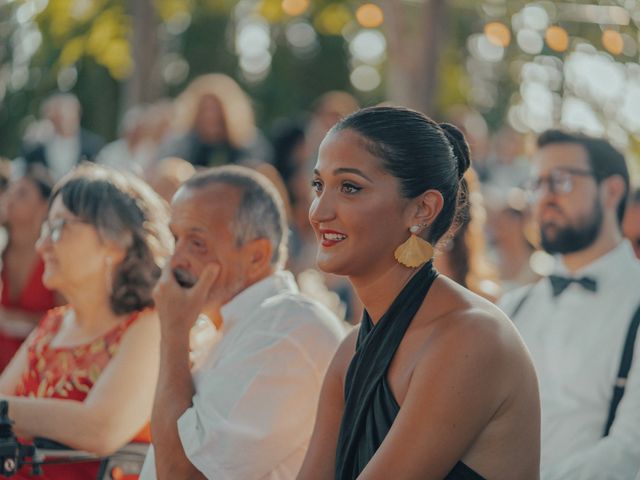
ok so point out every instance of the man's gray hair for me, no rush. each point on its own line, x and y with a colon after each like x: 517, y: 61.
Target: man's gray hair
x: 260, y: 213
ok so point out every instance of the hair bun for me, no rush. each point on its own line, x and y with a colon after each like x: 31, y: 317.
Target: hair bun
x: 460, y: 147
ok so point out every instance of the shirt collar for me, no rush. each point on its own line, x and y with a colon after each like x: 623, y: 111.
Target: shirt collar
x: 247, y: 301
x: 605, y: 266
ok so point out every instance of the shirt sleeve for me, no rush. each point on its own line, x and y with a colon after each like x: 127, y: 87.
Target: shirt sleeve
x: 617, y: 456
x: 255, y: 408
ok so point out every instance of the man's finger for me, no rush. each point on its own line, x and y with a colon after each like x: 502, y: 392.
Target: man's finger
x: 207, y: 277
x: 165, y: 273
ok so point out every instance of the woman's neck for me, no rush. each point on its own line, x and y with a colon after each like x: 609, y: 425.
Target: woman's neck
x: 23, y: 238
x: 92, y: 308
x: 378, y: 291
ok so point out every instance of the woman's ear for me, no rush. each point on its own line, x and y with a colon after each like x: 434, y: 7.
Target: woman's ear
x: 116, y: 252
x: 427, y: 207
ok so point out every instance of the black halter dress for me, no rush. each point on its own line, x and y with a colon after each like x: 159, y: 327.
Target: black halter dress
x: 370, y: 407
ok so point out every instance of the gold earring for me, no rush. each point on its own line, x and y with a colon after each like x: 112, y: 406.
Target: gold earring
x: 415, y: 251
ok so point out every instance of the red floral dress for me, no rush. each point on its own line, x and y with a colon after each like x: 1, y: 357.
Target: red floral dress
x: 68, y: 373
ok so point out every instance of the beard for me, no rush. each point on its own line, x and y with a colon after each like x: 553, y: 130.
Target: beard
x: 573, y: 238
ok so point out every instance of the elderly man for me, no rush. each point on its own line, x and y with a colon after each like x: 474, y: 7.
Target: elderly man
x: 247, y: 411
x: 580, y: 323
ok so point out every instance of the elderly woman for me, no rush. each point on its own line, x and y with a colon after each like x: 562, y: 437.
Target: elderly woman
x: 86, y: 375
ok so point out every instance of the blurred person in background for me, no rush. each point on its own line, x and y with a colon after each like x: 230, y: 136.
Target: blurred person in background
x: 215, y: 125
x: 134, y: 150
x: 5, y: 176
x: 580, y: 323
x: 85, y: 377
x: 59, y: 142
x: 463, y: 256
x: 167, y: 175
x: 506, y: 165
x: 291, y: 161
x: 508, y: 230
x: 327, y: 111
x: 631, y: 224
x: 476, y: 131
x: 24, y: 298
x: 6, y: 168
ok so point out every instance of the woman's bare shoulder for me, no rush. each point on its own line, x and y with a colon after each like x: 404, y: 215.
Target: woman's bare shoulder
x: 144, y: 330
x: 466, y: 323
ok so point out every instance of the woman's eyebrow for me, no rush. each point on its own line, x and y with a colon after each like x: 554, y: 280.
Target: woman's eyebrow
x: 340, y: 170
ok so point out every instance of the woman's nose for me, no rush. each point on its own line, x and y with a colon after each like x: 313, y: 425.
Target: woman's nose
x: 322, y: 208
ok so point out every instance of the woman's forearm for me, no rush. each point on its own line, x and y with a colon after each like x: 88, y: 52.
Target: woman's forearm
x: 65, y: 421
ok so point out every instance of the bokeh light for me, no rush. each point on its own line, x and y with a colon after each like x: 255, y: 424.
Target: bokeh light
x: 302, y: 38
x: 535, y: 17
x: 368, y: 46
x: 612, y: 41
x: 332, y: 19
x: 498, y: 33
x: 365, y: 78
x: 530, y: 41
x: 557, y: 38
x: 369, y: 15
x: 483, y: 49
x: 295, y: 7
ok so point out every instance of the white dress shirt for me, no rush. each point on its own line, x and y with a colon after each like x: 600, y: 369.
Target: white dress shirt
x: 576, y: 341
x: 62, y: 155
x: 257, y: 392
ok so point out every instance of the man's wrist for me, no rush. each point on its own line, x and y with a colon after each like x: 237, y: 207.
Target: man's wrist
x: 177, y: 324
x: 174, y: 341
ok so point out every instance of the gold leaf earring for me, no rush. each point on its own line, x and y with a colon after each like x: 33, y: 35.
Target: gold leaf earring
x: 415, y: 251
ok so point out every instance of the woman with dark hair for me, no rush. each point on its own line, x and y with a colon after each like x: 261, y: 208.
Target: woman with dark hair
x: 24, y: 298
x: 86, y: 375
x: 435, y: 383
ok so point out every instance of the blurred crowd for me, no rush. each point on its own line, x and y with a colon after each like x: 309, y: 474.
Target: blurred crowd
x: 491, y: 249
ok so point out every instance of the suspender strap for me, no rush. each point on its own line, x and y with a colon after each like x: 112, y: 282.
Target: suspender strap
x: 522, y: 300
x: 623, y: 371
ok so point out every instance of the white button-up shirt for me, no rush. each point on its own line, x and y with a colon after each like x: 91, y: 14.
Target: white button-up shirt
x: 257, y: 392
x: 576, y: 341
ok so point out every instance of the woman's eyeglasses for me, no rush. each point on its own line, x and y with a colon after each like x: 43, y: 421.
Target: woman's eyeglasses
x: 53, y: 230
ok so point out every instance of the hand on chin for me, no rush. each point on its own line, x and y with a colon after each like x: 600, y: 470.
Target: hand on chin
x: 180, y: 297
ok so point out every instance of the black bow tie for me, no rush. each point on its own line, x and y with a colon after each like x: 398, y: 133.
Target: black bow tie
x: 559, y: 284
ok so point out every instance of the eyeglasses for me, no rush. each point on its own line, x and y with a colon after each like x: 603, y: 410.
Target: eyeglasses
x: 560, y: 180
x: 53, y: 230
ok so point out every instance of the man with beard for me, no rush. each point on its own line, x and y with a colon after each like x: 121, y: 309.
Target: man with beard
x: 247, y: 410
x: 580, y: 323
